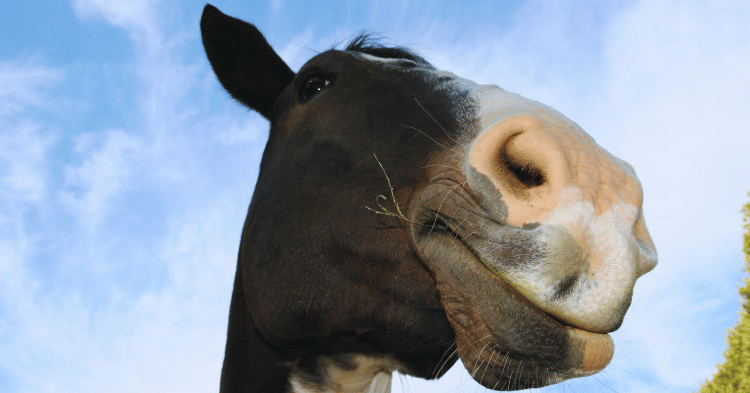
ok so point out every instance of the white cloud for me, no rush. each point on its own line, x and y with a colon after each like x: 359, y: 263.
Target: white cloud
x: 676, y: 87
x: 24, y: 161
x: 23, y: 151
x: 138, y: 17
x: 107, y: 161
x: 170, y: 339
x: 81, y: 310
x: 24, y: 142
x: 24, y: 85
x: 665, y: 89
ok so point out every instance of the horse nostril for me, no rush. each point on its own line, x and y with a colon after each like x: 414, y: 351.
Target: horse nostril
x: 525, y: 172
x: 525, y: 166
x: 517, y: 161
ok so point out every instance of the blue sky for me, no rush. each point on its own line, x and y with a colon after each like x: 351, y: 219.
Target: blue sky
x: 125, y: 171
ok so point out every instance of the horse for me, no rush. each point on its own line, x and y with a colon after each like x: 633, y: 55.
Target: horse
x: 405, y: 217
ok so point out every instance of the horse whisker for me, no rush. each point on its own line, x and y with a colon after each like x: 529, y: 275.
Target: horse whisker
x: 432, y: 139
x: 433, y: 119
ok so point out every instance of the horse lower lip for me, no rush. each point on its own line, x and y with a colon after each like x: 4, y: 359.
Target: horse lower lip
x: 597, y: 353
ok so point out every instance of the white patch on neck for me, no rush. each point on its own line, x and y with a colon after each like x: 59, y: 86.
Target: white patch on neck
x: 370, y: 374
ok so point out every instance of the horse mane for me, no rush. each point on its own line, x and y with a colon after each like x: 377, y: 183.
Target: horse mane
x: 366, y: 43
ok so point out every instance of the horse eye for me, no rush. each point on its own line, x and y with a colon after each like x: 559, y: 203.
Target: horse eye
x: 312, y: 86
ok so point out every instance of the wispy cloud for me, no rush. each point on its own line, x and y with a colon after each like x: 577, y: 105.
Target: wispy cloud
x: 676, y: 86
x: 118, y: 242
x: 107, y: 160
x: 117, y: 258
x: 24, y: 175
x: 23, y: 85
x: 138, y: 17
x: 24, y: 143
x: 23, y: 152
x: 662, y: 85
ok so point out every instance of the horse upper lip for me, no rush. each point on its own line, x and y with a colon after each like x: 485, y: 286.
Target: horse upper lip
x: 443, y: 223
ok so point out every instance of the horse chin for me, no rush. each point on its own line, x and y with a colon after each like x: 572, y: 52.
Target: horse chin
x: 503, y: 339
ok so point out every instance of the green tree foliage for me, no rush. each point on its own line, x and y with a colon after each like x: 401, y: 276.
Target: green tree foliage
x: 734, y: 374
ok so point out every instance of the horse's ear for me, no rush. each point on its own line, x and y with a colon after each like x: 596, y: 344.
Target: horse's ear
x: 246, y: 65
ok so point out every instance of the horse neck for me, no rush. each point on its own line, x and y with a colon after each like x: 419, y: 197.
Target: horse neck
x: 250, y: 364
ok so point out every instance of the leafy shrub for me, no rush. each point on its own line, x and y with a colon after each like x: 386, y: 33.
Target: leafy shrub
x: 734, y: 374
